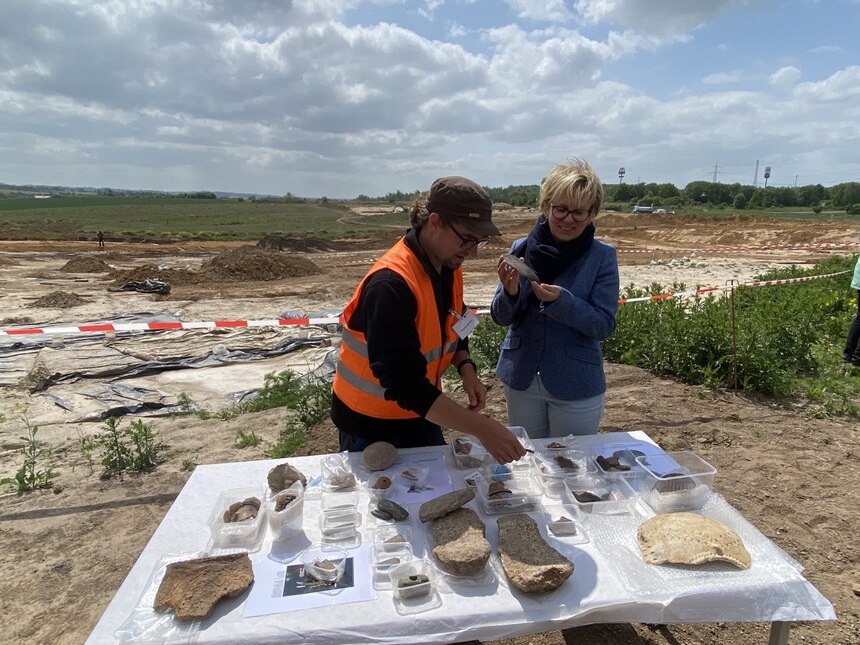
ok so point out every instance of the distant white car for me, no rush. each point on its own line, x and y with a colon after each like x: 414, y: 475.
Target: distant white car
x: 660, y: 211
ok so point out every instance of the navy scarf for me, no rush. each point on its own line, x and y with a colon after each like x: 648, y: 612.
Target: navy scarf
x: 550, y: 258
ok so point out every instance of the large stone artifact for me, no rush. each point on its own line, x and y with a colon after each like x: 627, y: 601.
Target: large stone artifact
x: 529, y: 562
x: 444, y: 504
x: 379, y: 455
x: 283, y: 476
x: 192, y: 587
x: 460, y: 547
x: 688, y: 538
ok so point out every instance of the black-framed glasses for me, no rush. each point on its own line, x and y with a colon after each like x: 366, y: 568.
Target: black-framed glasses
x: 561, y: 212
x: 467, y: 243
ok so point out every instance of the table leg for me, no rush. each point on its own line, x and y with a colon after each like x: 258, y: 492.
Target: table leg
x: 779, y: 633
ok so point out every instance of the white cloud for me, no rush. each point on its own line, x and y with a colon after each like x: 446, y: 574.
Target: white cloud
x: 724, y: 78
x: 541, y: 10
x: 304, y: 96
x: 785, y: 76
x: 659, y: 17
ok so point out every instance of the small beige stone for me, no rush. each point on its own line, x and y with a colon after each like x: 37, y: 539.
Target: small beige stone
x: 379, y: 455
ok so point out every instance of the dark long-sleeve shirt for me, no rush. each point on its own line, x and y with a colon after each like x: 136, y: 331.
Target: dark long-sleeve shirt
x: 385, y: 314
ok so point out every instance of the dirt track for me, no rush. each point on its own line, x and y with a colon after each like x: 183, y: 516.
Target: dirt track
x: 793, y: 476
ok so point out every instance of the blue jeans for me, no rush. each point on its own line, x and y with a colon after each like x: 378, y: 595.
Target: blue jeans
x: 851, y: 353
x: 542, y: 415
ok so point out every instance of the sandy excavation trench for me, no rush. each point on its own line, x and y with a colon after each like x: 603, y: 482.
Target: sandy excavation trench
x: 53, y: 533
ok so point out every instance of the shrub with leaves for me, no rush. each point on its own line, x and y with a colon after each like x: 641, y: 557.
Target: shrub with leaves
x: 133, y: 449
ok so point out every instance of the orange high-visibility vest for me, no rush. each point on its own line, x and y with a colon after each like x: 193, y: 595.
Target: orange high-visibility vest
x: 354, y: 382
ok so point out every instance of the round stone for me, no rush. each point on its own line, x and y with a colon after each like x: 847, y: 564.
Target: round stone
x: 379, y: 455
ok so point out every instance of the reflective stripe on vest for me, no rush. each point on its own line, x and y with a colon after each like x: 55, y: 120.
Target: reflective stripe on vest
x: 354, y: 382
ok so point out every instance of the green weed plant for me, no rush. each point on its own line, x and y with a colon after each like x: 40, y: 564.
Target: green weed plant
x: 31, y: 475
x: 129, y: 449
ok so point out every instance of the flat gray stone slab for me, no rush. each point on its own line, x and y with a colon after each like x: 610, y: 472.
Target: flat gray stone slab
x: 529, y: 562
x: 460, y: 547
x: 444, y: 504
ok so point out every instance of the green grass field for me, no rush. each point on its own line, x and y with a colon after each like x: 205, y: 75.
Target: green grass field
x: 167, y: 217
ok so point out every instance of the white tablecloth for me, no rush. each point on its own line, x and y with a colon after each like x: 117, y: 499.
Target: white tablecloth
x: 610, y: 582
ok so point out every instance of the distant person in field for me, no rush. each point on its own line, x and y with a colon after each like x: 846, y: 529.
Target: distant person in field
x: 406, y: 323
x: 101, y: 237
x: 851, y: 353
x: 550, y: 360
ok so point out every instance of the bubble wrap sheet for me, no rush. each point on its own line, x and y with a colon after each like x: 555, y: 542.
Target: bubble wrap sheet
x: 670, y: 585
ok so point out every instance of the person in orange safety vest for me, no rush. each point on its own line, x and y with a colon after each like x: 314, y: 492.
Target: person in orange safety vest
x: 406, y: 323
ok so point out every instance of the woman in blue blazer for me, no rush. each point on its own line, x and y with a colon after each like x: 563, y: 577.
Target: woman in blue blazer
x: 550, y: 360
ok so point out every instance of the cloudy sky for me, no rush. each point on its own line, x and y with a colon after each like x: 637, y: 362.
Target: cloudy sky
x: 343, y: 97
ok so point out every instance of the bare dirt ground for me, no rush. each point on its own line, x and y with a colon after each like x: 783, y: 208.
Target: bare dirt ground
x: 66, y: 551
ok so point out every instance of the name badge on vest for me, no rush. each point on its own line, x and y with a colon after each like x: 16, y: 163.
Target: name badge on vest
x: 466, y: 323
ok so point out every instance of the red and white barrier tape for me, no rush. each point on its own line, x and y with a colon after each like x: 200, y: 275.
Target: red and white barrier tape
x: 102, y: 328
x: 164, y: 326
x: 733, y: 249
x: 729, y: 287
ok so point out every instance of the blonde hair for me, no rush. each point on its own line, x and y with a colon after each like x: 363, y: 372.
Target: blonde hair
x: 576, y: 182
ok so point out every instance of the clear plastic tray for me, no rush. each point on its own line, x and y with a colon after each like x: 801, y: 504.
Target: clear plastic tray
x: 625, y: 457
x: 324, y: 562
x: 385, y: 535
x: 414, y: 475
x: 676, y: 481
x: 468, y: 452
x: 553, y: 444
x: 418, y: 598
x: 563, y: 523
x: 385, y: 557
x: 524, y: 493
x: 286, y: 523
x: 231, y: 535
x: 551, y: 468
x: 615, y: 493
x: 339, y: 520
x: 337, y: 475
x: 376, y: 484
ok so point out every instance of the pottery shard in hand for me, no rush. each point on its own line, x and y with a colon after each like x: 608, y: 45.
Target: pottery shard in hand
x: 283, y: 476
x: 521, y: 267
x: 192, y: 587
x: 379, y: 455
x: 529, y: 562
x: 688, y: 538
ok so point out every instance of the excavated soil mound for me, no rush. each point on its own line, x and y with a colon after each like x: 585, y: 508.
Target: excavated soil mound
x: 146, y: 271
x: 59, y: 300
x: 85, y: 265
x: 302, y: 245
x: 250, y: 263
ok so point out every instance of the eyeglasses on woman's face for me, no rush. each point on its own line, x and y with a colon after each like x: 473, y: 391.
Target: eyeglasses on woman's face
x: 468, y: 243
x: 561, y: 212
